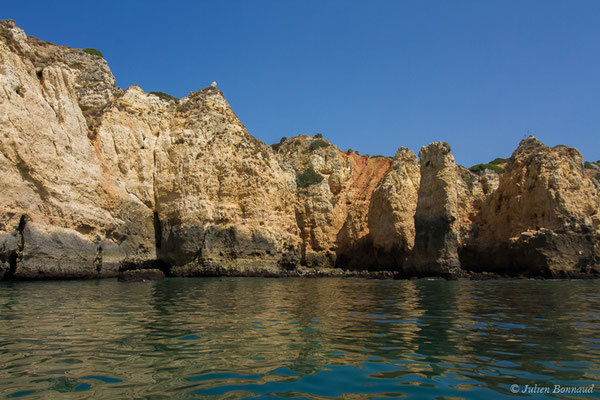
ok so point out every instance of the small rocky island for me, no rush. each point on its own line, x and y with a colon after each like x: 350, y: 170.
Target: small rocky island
x: 96, y: 180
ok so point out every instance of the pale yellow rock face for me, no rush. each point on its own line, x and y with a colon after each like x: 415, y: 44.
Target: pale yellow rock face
x: 544, y: 216
x: 393, y: 206
x: 107, y: 175
x: 542, y: 187
x: 211, y: 173
x: 50, y: 173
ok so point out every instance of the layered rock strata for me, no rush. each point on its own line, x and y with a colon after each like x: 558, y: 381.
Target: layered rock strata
x: 96, y: 180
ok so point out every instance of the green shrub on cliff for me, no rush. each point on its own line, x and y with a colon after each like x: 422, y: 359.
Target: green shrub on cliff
x: 308, y: 177
x: 164, y: 96
x: 94, y: 52
x: 591, y: 165
x: 318, y: 136
x: 499, y: 160
x: 483, y: 167
x: 276, y: 146
x: 315, y: 144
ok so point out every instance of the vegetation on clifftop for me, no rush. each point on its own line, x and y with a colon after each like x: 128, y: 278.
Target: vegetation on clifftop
x: 276, y: 146
x: 498, y: 161
x: 492, y: 166
x: 94, y: 52
x: 315, y: 144
x: 164, y: 96
x: 483, y: 167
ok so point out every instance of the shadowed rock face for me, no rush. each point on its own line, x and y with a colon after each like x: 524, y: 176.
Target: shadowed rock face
x: 98, y: 180
x: 437, y: 217
x: 141, y: 275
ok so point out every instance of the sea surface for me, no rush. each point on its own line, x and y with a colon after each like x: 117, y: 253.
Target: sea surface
x: 235, y: 338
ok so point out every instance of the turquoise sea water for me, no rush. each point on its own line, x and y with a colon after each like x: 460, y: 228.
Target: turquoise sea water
x: 297, y: 338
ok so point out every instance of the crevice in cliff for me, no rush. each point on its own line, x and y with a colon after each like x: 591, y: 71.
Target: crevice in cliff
x: 16, y: 256
x: 157, y: 232
x: 98, y: 259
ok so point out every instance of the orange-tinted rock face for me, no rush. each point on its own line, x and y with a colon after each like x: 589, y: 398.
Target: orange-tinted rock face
x: 332, y: 213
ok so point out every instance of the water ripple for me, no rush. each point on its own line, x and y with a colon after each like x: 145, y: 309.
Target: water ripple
x: 295, y: 338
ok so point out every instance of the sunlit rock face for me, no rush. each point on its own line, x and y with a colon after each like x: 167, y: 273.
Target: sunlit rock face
x: 61, y: 213
x: 544, y: 218
x: 223, y: 201
x: 392, y: 210
x: 96, y: 180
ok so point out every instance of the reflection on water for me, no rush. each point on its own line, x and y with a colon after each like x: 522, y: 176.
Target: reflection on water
x: 296, y: 338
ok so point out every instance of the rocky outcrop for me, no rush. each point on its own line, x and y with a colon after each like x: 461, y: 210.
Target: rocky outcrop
x: 544, y: 218
x: 392, y: 211
x: 68, y: 218
x: 97, y: 180
x: 332, y: 214
x: 437, y: 216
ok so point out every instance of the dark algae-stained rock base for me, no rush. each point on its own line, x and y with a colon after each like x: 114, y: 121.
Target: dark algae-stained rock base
x: 96, y: 179
x: 141, y: 275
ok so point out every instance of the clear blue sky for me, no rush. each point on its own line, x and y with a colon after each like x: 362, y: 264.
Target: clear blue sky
x: 369, y: 75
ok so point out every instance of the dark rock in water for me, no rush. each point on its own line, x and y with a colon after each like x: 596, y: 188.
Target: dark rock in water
x: 141, y: 275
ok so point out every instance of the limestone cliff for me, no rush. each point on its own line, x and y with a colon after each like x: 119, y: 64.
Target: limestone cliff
x: 97, y: 180
x: 392, y: 210
x: 544, y: 218
x: 61, y: 215
x: 332, y: 214
x: 437, y: 216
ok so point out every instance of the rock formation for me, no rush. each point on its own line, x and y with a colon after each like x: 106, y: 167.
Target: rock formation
x: 392, y: 210
x: 97, y: 180
x: 544, y: 218
x: 437, y: 216
x: 332, y: 214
